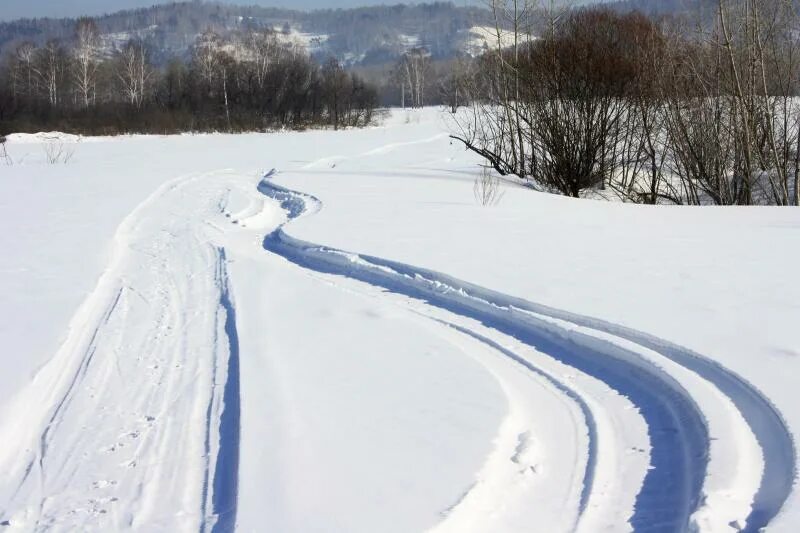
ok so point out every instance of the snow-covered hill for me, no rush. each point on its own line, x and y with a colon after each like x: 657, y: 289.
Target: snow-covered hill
x: 324, y: 331
x: 373, y: 34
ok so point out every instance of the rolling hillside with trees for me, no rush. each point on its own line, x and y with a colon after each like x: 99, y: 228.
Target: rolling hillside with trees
x: 254, y: 81
x: 202, y: 65
x: 355, y: 36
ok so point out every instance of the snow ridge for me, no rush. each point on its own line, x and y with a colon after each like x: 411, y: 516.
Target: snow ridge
x: 591, y: 464
x: 674, y: 491
x: 226, y: 427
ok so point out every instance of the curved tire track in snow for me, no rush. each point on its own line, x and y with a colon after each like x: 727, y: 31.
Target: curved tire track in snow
x: 566, y: 390
x: 673, y: 487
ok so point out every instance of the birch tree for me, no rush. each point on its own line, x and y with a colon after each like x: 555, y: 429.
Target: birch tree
x: 23, y: 70
x: 85, y: 61
x: 133, y: 72
x: 50, y: 66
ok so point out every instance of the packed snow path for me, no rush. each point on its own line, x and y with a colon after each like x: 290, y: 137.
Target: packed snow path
x: 207, y: 384
x: 673, y: 489
x: 151, y: 365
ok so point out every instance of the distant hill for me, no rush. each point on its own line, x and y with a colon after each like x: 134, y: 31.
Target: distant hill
x: 692, y: 8
x: 359, y: 36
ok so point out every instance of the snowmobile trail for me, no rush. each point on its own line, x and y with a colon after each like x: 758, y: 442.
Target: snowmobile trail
x: 718, y: 447
x: 150, y: 365
x: 603, y: 427
x: 164, y: 371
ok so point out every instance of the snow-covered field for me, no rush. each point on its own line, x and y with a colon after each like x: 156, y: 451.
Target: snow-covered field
x: 324, y: 331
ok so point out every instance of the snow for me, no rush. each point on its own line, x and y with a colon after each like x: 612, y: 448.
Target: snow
x: 409, y: 41
x: 482, y: 38
x: 312, y: 42
x: 110, y: 42
x: 323, y: 331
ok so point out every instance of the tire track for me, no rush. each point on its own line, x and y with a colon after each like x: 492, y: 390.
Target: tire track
x: 223, y: 418
x: 673, y: 488
x: 569, y: 392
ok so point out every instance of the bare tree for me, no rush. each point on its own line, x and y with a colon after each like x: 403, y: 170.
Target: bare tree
x: 226, y: 64
x: 85, y: 61
x: 455, y: 85
x: 263, y: 49
x: 133, y: 72
x: 335, y: 85
x: 551, y: 110
x: 735, y: 121
x: 50, y: 66
x: 23, y: 71
x: 206, y: 56
x: 411, y: 73
x: 643, y: 141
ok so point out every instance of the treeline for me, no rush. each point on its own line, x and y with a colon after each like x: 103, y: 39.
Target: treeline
x: 651, y: 112
x: 248, y: 81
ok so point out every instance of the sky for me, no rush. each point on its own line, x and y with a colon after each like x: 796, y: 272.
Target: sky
x: 13, y: 9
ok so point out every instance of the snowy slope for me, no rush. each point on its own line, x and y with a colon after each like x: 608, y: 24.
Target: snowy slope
x: 349, y: 343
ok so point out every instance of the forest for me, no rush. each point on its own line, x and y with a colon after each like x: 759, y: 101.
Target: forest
x: 250, y: 81
x: 212, y: 66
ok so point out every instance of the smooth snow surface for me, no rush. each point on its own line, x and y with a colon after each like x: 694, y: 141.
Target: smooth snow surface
x: 324, y: 332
